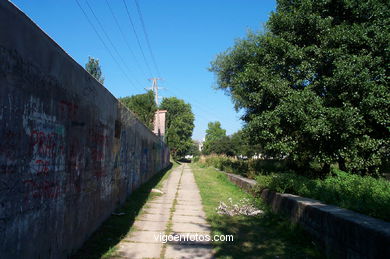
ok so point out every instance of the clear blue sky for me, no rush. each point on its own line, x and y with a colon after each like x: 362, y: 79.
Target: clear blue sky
x: 185, y: 36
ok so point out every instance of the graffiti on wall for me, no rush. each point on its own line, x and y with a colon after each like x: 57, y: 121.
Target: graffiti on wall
x: 65, y: 158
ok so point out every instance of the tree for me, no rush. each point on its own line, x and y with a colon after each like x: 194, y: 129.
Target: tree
x: 143, y: 106
x: 314, y: 86
x: 194, y: 150
x: 93, y: 68
x: 180, y: 125
x: 214, y: 131
x: 242, y: 145
x: 216, y: 141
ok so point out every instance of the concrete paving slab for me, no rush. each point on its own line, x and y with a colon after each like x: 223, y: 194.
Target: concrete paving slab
x: 156, y: 211
x: 139, y: 250
x: 162, y: 201
x: 189, y: 251
x: 190, y: 227
x: 144, y: 236
x: 158, y: 206
x: 189, y: 212
x: 189, y: 203
x: 188, y: 238
x: 189, y: 219
x: 154, y: 217
x: 192, y: 207
x: 150, y: 225
x: 187, y: 197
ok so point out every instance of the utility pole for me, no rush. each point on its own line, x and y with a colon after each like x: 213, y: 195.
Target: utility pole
x: 154, y: 88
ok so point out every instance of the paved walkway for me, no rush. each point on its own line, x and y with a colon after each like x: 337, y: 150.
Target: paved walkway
x: 178, y: 212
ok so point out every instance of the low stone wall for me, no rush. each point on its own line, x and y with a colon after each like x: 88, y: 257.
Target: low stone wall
x: 342, y: 233
x: 242, y: 182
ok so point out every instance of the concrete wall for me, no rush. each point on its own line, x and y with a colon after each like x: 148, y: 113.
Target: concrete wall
x: 69, y: 151
x: 342, y: 233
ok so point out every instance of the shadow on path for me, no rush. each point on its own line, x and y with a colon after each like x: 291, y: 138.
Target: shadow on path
x: 116, y: 227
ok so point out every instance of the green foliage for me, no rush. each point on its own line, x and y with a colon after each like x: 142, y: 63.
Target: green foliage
x: 180, y: 125
x: 143, y: 106
x: 242, y: 145
x: 93, y: 68
x: 365, y: 194
x: 216, y: 141
x: 314, y: 86
x: 194, y: 150
x: 265, y: 236
x: 214, y: 131
x: 248, y: 168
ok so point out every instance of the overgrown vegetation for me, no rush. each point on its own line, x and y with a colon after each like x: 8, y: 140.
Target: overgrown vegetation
x: 179, y: 126
x: 314, y: 85
x: 265, y: 236
x: 237, y: 144
x: 248, y: 168
x: 364, y: 194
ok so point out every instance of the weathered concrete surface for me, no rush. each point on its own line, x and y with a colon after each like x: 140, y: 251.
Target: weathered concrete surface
x: 69, y: 151
x: 343, y: 233
x: 244, y: 183
x: 145, y: 241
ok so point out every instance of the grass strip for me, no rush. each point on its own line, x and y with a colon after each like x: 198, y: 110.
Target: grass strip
x: 265, y: 236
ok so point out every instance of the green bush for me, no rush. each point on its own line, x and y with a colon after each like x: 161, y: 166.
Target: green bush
x: 248, y: 168
x: 366, y: 194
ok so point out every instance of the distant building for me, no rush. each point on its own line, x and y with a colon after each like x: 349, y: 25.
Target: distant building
x: 159, y: 123
x: 200, y: 146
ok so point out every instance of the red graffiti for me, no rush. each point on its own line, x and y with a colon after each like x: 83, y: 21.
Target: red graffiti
x: 46, y: 189
x: 42, y: 167
x: 98, y: 138
x: 46, y: 144
x: 68, y: 109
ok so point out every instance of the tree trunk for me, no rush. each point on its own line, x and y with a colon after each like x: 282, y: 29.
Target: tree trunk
x: 342, y: 165
x: 325, y: 170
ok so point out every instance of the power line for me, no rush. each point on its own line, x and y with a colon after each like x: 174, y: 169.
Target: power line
x: 102, y: 41
x: 108, y: 38
x: 210, y: 115
x: 136, y: 36
x: 146, y: 36
x: 124, y: 39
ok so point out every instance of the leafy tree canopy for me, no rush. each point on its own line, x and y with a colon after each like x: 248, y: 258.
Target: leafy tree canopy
x: 214, y: 131
x: 143, y: 106
x: 242, y: 145
x: 314, y: 86
x: 194, y: 150
x: 180, y: 125
x: 216, y: 141
x: 93, y: 68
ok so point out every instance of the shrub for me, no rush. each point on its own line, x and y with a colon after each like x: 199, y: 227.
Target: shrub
x: 248, y: 168
x: 365, y: 194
